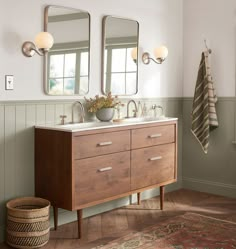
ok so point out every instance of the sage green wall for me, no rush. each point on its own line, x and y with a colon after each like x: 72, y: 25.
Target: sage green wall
x: 215, y: 172
x: 17, y: 120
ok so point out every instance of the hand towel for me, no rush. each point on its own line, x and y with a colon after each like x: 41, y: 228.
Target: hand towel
x: 204, y: 118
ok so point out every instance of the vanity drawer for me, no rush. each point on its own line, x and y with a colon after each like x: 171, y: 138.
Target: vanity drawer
x: 153, y: 136
x: 100, y: 144
x: 101, y: 177
x: 154, y: 165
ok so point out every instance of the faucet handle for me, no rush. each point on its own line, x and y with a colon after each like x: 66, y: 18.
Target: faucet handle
x: 63, y: 117
x: 135, y: 113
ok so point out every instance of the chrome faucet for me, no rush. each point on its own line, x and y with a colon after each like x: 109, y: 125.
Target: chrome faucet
x: 136, y: 108
x: 82, y: 113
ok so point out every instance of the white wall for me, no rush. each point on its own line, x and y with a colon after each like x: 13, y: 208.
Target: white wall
x: 214, y: 20
x: 160, y: 22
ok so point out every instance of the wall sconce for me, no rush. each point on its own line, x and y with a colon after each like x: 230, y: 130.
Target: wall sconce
x: 160, y: 53
x: 134, y: 54
x: 43, y: 42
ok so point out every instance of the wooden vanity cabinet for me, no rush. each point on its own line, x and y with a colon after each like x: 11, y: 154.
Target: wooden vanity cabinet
x: 75, y: 170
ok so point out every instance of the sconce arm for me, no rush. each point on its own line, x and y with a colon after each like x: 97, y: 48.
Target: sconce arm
x: 29, y: 49
x: 156, y: 61
x: 146, y: 59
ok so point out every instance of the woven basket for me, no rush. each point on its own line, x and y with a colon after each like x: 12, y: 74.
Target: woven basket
x: 28, y: 222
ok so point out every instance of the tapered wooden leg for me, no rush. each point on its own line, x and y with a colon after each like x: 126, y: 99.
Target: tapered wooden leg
x: 55, y: 214
x: 79, y: 218
x: 162, y: 195
x: 139, y: 198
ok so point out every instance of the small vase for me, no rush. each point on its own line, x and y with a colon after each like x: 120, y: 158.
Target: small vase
x: 105, y: 114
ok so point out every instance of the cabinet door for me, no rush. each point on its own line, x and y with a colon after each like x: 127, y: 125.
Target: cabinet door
x: 151, y: 136
x: 101, y: 177
x: 100, y: 144
x: 153, y: 165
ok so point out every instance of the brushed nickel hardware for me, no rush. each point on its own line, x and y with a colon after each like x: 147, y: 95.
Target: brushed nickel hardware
x: 155, y: 135
x: 105, y: 169
x: 63, y: 117
x: 82, y: 113
x: 104, y: 143
x: 155, y: 158
x: 160, y: 53
x: 43, y: 42
x: 136, y: 108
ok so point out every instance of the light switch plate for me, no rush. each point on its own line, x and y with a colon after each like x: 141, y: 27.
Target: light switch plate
x: 9, y: 82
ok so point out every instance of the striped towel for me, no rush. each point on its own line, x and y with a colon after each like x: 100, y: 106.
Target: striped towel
x: 204, y: 118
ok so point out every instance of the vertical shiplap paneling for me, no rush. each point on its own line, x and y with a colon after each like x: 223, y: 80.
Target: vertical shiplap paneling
x: 40, y: 114
x: 50, y: 114
x: 2, y: 164
x: 29, y: 144
x: 10, y: 132
x: 59, y: 110
x: 20, y: 150
x: 68, y: 112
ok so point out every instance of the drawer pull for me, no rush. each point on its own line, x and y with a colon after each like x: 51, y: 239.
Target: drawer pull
x: 105, y: 169
x: 155, y: 135
x: 155, y: 158
x: 104, y: 143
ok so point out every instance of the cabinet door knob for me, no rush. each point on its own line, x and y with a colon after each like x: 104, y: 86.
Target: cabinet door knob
x: 155, y: 135
x: 105, y: 169
x: 104, y: 143
x: 155, y: 158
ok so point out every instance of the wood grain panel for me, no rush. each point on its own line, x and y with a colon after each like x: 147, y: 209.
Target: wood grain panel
x: 92, y: 183
x: 53, y: 170
x: 152, y: 136
x: 94, y: 145
x: 152, y: 165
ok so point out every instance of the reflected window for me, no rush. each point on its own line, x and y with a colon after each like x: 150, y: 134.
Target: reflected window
x: 121, y: 70
x: 68, y: 72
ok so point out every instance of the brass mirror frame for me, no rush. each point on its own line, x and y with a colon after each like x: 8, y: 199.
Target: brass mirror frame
x: 45, y: 71
x: 103, y: 52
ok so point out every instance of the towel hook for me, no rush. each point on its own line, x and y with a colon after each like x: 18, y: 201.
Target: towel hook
x: 208, y: 49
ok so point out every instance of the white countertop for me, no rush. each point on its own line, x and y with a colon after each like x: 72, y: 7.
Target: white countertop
x: 76, y: 127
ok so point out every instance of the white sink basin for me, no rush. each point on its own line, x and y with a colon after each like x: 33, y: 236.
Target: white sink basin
x: 84, y: 125
x: 103, y: 125
x: 141, y: 119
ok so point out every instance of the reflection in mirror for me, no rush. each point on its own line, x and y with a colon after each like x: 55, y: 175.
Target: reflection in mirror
x: 120, y: 43
x: 67, y: 62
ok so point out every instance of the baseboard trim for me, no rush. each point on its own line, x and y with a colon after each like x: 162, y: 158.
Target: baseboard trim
x: 68, y: 216
x: 212, y: 187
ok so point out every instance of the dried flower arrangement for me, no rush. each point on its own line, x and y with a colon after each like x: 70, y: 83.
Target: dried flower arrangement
x: 100, y: 102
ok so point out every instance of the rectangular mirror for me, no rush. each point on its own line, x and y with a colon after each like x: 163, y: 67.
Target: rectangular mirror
x: 66, y: 65
x: 120, y: 43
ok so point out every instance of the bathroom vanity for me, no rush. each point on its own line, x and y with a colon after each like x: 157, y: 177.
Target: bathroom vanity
x: 81, y: 165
